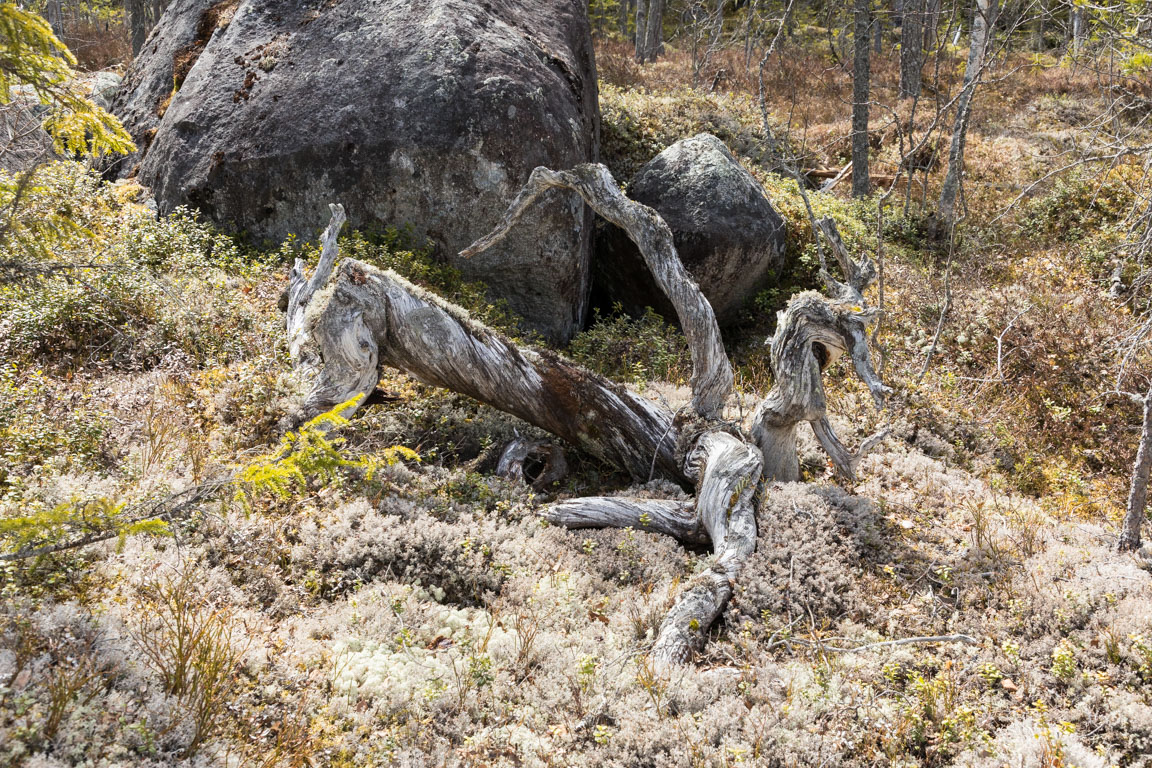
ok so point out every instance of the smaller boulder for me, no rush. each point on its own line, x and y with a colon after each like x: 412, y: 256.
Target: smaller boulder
x: 727, y: 233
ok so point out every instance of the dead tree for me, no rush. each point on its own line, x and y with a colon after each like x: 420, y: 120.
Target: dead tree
x: 861, y: 84
x: 347, y: 321
x: 1138, y: 493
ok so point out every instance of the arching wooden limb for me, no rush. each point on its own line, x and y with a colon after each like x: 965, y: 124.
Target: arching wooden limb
x: 812, y: 332
x: 712, y: 377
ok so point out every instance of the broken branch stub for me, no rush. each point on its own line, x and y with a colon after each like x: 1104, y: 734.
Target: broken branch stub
x: 712, y: 377
x: 537, y: 463
x: 301, y: 289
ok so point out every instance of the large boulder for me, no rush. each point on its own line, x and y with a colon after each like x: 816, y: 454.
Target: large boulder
x: 727, y: 234
x: 427, y: 115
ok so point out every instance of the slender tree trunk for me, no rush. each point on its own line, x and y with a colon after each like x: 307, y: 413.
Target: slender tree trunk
x: 641, y: 34
x: 1079, y: 28
x: 625, y: 12
x: 655, y: 46
x: 911, y: 48
x: 861, y: 77
x: 931, y: 23
x: 983, y: 17
x: 1138, y: 494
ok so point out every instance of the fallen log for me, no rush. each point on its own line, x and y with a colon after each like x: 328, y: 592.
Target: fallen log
x: 346, y: 322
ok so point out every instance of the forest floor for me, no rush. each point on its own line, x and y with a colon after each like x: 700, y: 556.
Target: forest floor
x: 382, y: 598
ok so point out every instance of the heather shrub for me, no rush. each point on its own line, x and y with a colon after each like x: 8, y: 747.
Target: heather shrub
x: 32, y: 434
x: 633, y: 349
x: 117, y: 284
x: 637, y: 125
x: 1082, y: 203
x: 400, y: 542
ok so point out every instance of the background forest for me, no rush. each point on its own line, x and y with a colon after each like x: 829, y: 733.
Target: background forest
x: 184, y: 580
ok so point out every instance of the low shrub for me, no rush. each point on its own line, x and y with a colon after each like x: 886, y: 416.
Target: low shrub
x: 92, y: 276
x: 633, y: 349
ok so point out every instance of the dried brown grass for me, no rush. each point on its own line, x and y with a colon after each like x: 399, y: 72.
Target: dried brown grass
x: 98, y: 44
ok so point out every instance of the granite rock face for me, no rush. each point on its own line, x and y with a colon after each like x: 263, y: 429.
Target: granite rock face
x: 727, y: 233
x: 424, y: 114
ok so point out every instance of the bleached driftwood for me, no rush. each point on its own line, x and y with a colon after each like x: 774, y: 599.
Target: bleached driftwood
x: 344, y: 327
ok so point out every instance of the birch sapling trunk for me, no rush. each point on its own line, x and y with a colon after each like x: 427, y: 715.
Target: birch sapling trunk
x: 1079, y: 28
x: 982, y: 19
x: 861, y: 85
x: 1138, y: 493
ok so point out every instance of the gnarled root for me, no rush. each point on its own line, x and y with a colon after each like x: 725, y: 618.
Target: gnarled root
x: 537, y: 463
x: 727, y: 472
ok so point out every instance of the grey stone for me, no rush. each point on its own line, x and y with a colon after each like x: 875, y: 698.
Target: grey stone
x: 727, y: 234
x: 427, y: 115
x: 103, y: 86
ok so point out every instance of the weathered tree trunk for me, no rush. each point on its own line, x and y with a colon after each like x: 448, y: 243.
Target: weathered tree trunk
x: 625, y: 13
x: 655, y: 29
x: 861, y: 77
x: 931, y: 23
x: 1138, y: 494
x: 911, y: 48
x: 142, y: 17
x: 641, y: 34
x: 370, y: 317
x: 983, y: 17
x: 649, y: 30
x: 344, y: 323
x: 811, y: 334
